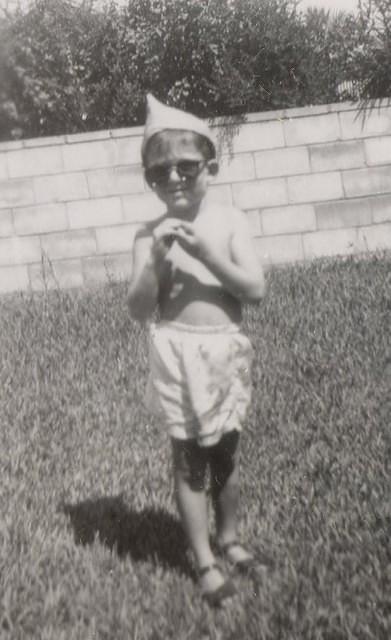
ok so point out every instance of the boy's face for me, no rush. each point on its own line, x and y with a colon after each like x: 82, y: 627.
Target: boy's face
x: 177, y: 171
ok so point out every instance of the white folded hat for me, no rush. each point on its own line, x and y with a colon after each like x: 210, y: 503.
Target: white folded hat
x: 160, y: 117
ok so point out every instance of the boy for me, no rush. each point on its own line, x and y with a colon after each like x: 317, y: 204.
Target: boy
x: 196, y: 264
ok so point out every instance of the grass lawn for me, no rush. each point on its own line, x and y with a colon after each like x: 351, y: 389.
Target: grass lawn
x: 90, y: 544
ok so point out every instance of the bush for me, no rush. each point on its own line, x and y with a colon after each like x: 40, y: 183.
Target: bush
x: 69, y: 67
x: 371, y: 60
x: 60, y: 66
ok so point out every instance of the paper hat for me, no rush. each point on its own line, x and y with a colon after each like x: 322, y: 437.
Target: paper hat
x: 160, y: 117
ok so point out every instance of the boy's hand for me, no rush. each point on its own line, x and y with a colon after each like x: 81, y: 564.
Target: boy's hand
x: 194, y: 243
x: 163, y: 237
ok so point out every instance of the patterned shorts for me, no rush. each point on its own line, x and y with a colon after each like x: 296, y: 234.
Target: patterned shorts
x: 200, y: 379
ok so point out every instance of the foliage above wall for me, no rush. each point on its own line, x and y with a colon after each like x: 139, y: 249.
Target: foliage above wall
x: 67, y: 67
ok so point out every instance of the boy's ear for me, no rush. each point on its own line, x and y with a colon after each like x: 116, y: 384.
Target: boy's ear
x: 213, y: 167
x: 149, y: 183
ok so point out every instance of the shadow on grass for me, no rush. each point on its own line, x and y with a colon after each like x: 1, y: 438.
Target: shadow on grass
x: 150, y: 534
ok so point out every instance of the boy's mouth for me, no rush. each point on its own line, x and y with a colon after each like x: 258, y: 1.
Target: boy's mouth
x: 176, y: 190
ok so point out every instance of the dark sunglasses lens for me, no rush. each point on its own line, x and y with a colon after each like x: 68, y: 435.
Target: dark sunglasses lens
x: 157, y: 175
x: 188, y: 168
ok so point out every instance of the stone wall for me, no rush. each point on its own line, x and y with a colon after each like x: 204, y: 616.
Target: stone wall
x: 313, y: 181
x: 11, y: 5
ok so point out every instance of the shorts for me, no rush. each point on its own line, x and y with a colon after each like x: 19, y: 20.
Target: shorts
x: 199, y: 384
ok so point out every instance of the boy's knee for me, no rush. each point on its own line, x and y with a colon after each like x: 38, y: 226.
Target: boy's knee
x: 189, y: 461
x: 224, y: 459
x: 226, y: 452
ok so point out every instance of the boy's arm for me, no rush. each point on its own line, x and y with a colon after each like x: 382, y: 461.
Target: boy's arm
x: 144, y: 284
x: 150, y: 247
x: 241, y: 274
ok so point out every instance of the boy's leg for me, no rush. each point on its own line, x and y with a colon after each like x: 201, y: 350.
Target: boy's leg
x: 224, y: 467
x: 190, y: 461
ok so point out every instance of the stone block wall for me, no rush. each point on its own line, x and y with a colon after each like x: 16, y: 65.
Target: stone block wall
x: 314, y: 181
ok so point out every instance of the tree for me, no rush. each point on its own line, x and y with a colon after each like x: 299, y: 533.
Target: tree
x: 67, y: 67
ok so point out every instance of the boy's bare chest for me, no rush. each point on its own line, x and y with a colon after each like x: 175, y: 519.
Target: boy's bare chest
x: 180, y: 263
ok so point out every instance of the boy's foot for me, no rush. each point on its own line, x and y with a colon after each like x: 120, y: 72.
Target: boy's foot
x: 243, y: 560
x: 237, y: 555
x: 214, y: 587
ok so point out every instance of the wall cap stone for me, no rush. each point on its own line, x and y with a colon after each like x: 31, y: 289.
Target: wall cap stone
x: 221, y: 121
x: 44, y: 141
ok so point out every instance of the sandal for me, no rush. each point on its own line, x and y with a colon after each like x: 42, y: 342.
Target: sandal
x: 215, y: 597
x: 242, y: 566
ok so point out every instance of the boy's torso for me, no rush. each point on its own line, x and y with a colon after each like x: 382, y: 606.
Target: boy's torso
x: 188, y: 291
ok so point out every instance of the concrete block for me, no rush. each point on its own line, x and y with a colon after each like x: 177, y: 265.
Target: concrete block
x: 142, y: 207
x: 16, y: 250
x: 315, y: 187
x: 34, y: 162
x: 15, y: 278
x: 6, y: 226
x: 66, y: 274
x: 40, y: 219
x: 69, y: 273
x: 261, y: 193
x: 331, y: 243
x: 106, y: 268
x: 378, y: 150
x: 311, y: 129
x: 381, y: 208
x: 11, y: 145
x: 283, y: 220
x: 127, y: 132
x: 235, y: 168
x: 309, y: 110
x: 337, y: 155
x: 44, y: 141
x: 94, y: 213
x: 258, y: 135
x: 115, y: 180
x: 343, y: 106
x: 69, y: 244
x: 260, y: 116
x: 61, y: 188
x: 376, y: 237
x: 3, y: 167
x: 90, y: 155
x: 116, y: 239
x: 361, y: 182
x: 16, y: 193
x: 356, y: 124
x: 281, y: 162
x: 345, y: 213
x: 128, y: 150
x: 254, y: 221
x: 88, y: 136
x: 376, y: 103
x: 279, y: 249
x: 221, y: 194
x: 225, y: 130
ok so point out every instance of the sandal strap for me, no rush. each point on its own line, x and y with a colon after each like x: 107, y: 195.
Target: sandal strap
x: 216, y: 598
x: 228, y: 545
x: 209, y: 567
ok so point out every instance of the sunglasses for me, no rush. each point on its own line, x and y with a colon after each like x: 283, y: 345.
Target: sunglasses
x: 186, y: 170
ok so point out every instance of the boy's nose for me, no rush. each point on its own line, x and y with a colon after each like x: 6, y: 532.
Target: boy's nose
x: 174, y: 175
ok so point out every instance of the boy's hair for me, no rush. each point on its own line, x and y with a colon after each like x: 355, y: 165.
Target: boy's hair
x: 202, y: 143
